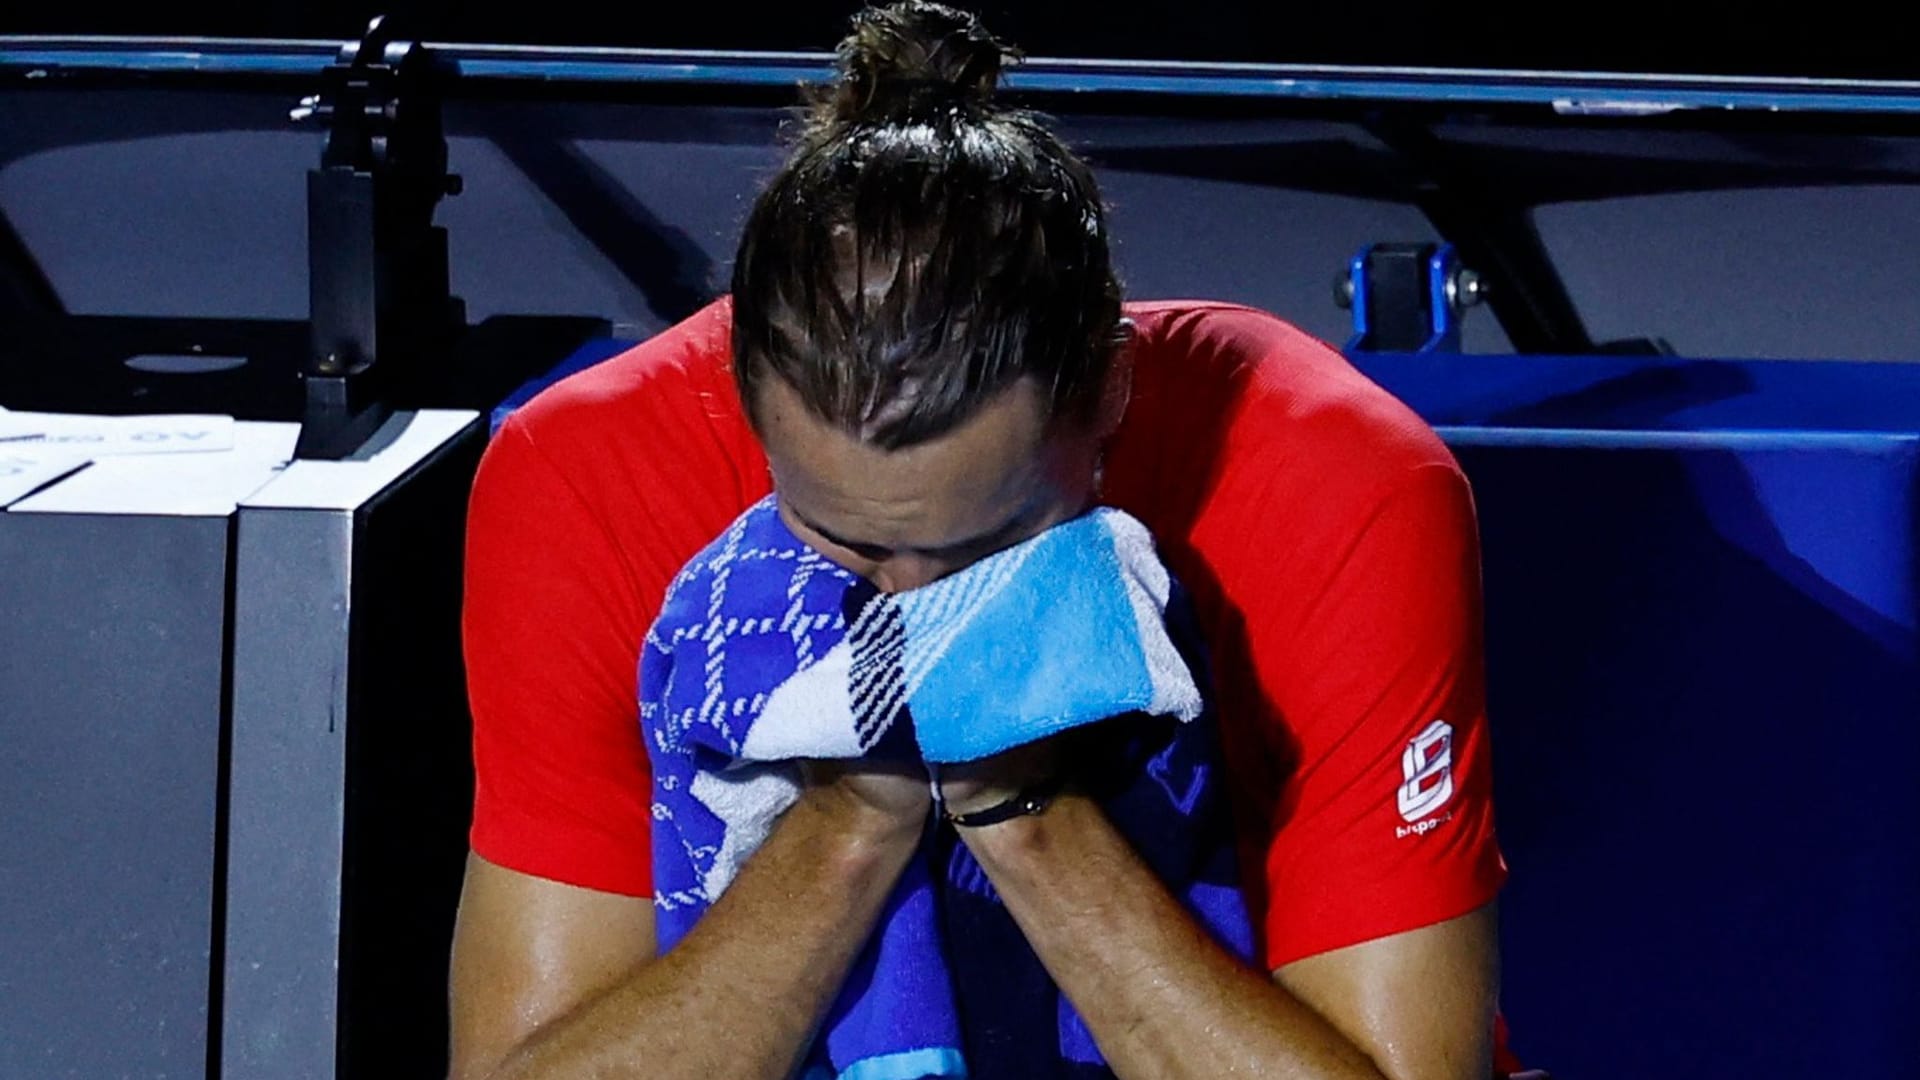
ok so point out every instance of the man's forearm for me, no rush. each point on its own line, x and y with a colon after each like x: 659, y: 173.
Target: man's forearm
x: 742, y: 994
x: 1161, y: 997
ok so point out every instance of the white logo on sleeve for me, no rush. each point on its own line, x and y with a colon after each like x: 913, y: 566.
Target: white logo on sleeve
x: 1427, y: 769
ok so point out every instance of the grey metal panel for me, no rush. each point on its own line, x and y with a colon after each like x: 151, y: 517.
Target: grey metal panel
x: 287, y: 796
x: 349, y: 740
x: 110, y: 713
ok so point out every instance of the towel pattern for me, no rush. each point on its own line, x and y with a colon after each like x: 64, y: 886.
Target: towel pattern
x: 766, y: 653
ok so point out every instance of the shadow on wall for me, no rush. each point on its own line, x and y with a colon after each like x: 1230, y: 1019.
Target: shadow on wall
x: 673, y: 274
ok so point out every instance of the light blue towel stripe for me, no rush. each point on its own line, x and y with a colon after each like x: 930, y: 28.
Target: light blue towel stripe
x: 933, y: 1062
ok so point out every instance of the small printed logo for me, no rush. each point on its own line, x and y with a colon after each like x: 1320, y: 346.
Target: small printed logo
x: 1401, y: 832
x: 1427, y: 771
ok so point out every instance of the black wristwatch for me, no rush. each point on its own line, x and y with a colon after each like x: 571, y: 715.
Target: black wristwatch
x: 1031, y: 800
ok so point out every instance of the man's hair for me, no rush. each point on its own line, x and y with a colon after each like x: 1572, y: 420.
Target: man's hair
x: 923, y: 248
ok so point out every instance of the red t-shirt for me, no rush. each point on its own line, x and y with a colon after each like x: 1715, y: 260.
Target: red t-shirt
x: 1325, y: 533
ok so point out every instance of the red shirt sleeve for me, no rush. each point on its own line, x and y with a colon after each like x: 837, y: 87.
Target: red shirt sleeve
x: 562, y: 787
x: 1328, y: 539
x: 588, y: 501
x: 1386, y: 823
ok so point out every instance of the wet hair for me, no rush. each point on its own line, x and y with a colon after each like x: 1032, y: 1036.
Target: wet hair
x: 924, y: 247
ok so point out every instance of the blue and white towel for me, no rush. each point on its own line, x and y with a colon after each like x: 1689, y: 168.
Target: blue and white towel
x: 767, y: 652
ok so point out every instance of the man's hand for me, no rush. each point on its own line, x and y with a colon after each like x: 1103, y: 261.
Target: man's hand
x: 976, y: 785
x: 875, y: 794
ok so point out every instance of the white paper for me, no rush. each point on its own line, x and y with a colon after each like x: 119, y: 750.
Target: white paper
x: 23, y: 471
x: 171, y: 484
x: 101, y: 436
x: 344, y: 485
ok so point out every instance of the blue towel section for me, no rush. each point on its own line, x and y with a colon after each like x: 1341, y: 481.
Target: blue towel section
x: 766, y: 652
x: 1059, y: 631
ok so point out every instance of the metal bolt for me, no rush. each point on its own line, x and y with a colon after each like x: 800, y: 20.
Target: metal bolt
x: 1343, y: 292
x: 1466, y: 289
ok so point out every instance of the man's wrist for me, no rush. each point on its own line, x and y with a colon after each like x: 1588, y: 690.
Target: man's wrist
x: 974, y: 787
x: 995, y: 807
x: 972, y: 798
x: 1027, y: 838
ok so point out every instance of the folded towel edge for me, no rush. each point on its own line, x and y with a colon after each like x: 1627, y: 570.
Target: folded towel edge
x: 926, y: 1063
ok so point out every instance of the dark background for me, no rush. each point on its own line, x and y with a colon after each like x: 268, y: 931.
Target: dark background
x: 1794, y: 39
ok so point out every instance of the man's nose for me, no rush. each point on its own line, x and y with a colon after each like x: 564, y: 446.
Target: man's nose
x: 905, y: 570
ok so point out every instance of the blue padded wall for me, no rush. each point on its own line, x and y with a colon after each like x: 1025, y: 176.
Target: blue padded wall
x: 1705, y: 689
x: 1704, y: 756
x: 1642, y: 393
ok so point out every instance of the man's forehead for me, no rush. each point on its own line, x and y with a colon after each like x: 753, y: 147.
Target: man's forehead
x: 931, y: 494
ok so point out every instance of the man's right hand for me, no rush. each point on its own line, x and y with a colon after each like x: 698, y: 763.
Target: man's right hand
x: 551, y: 980
x: 884, y: 797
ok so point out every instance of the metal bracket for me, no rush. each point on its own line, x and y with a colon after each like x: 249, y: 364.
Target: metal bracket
x: 377, y: 265
x: 1407, y: 297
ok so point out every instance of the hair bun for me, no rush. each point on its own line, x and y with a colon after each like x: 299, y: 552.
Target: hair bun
x: 912, y: 52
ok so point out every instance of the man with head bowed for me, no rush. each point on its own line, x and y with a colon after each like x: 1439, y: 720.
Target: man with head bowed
x: 926, y: 358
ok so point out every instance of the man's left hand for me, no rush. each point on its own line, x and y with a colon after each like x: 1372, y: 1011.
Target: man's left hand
x: 978, y: 785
